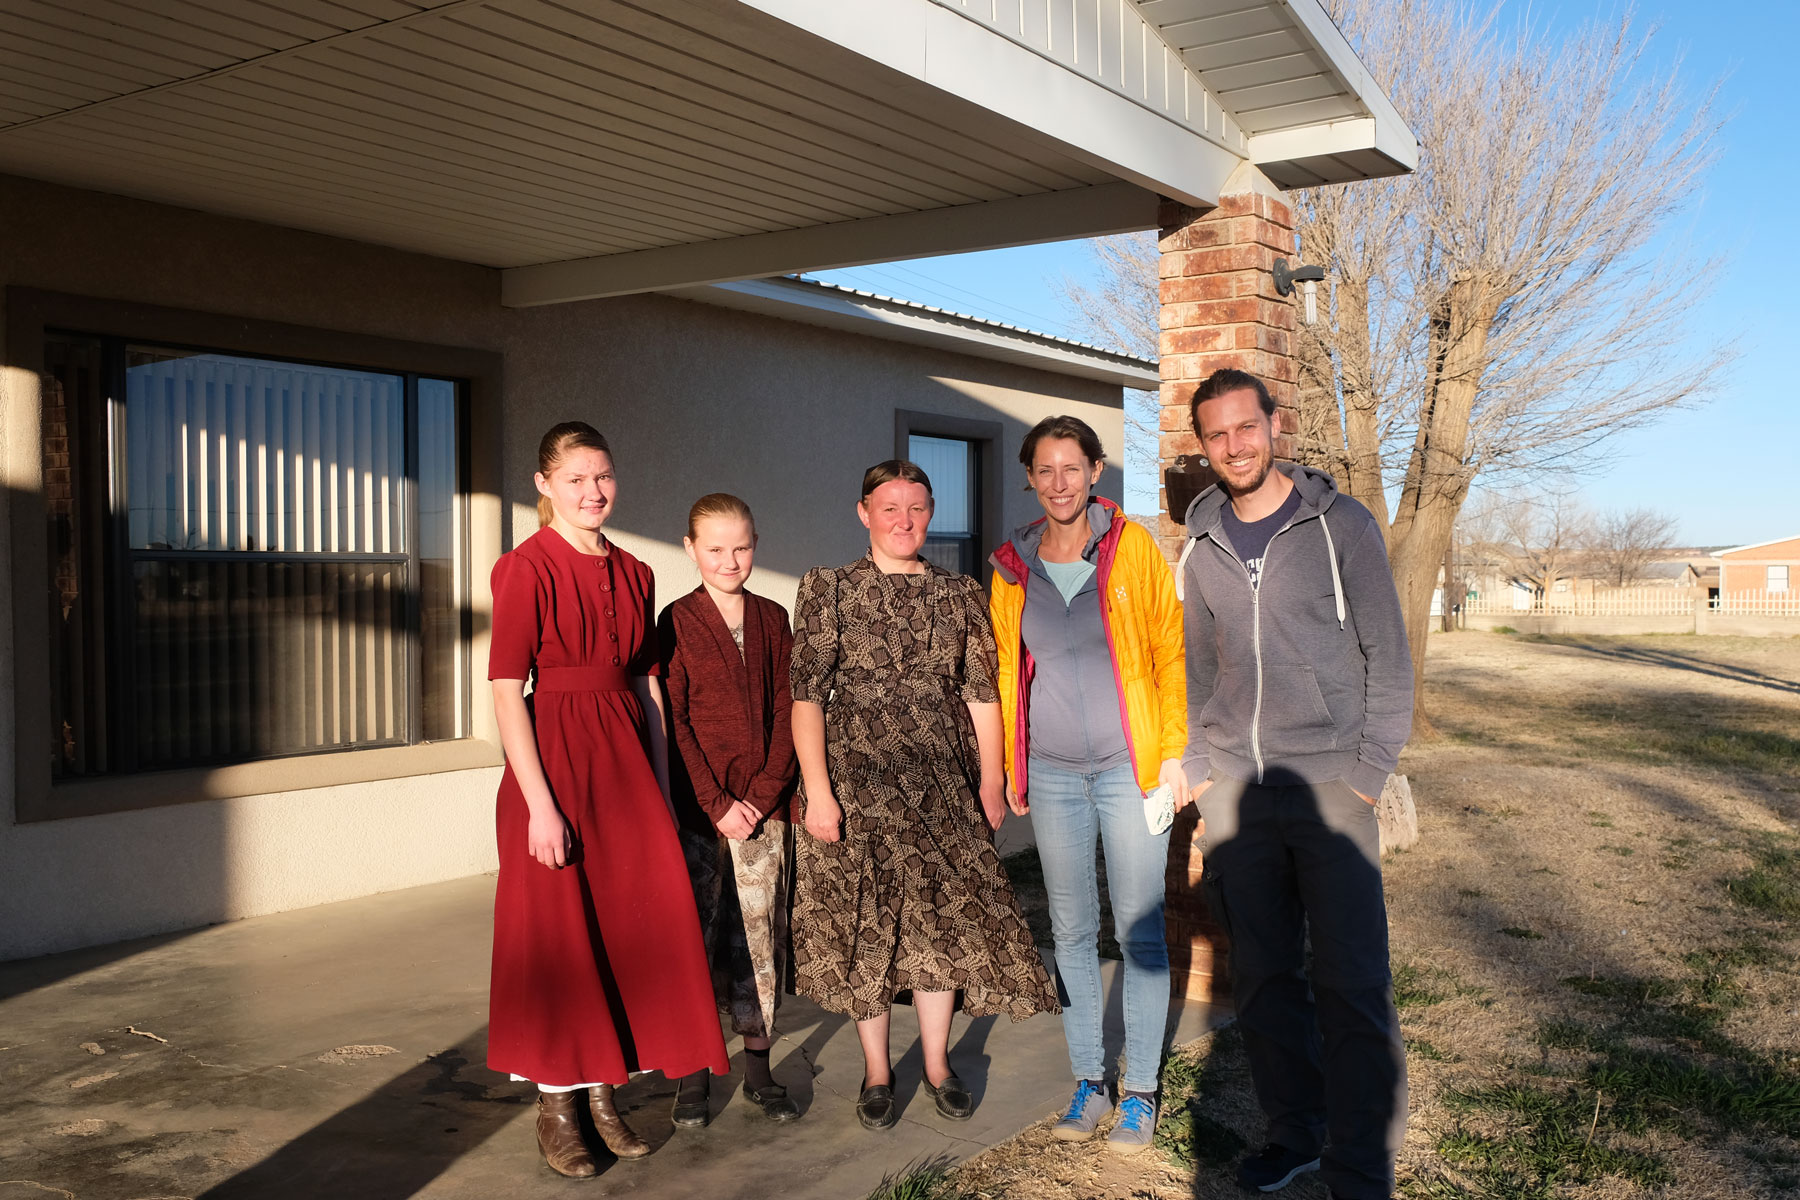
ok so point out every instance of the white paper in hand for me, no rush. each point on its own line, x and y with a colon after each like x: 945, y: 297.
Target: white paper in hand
x: 1159, y: 809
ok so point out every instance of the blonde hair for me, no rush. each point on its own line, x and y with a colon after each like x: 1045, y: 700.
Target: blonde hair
x: 570, y: 435
x: 718, y: 504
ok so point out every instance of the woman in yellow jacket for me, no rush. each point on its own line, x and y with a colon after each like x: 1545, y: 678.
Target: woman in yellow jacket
x: 1093, y: 691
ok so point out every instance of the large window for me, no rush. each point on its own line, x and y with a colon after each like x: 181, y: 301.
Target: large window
x: 1776, y: 579
x: 249, y: 558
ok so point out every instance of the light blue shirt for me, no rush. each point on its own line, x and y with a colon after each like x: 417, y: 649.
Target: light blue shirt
x: 1068, y: 577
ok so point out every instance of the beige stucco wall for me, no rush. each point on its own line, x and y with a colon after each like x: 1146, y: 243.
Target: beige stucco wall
x: 694, y: 399
x: 785, y: 415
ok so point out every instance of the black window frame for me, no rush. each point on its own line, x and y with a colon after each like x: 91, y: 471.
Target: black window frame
x: 102, y: 490
x: 29, y: 314
x: 986, y: 437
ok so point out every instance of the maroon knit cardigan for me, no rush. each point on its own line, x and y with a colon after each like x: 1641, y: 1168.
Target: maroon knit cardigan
x: 731, y: 715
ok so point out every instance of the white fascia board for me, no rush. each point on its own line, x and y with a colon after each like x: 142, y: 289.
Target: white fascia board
x: 1386, y: 132
x: 1334, y: 137
x: 1754, y: 545
x: 899, y: 322
x: 963, y: 58
x: 1093, y: 211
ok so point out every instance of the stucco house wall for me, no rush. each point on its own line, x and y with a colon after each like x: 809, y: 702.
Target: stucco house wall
x: 694, y: 398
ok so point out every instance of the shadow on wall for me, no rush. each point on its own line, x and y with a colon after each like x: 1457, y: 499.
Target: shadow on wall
x: 228, y: 670
x: 803, y: 482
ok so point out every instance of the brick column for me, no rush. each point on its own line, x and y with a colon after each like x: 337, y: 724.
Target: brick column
x: 1219, y: 309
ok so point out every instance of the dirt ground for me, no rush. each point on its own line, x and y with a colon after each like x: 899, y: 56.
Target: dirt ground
x: 1593, y: 943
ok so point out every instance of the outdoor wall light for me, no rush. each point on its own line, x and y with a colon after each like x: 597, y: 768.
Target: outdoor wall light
x: 1286, y: 277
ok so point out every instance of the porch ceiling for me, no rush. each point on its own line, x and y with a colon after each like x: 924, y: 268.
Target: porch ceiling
x: 594, y: 147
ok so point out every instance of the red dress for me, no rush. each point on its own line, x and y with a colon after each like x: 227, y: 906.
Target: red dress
x: 599, y: 969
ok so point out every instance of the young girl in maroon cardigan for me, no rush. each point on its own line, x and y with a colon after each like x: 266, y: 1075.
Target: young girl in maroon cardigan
x: 729, y: 705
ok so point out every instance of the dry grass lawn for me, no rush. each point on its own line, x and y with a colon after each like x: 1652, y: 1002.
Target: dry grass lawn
x: 1594, y: 944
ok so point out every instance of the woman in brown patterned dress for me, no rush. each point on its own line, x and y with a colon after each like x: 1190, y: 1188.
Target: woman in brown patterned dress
x: 897, y: 729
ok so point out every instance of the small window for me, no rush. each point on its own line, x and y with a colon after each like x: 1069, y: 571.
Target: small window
x: 954, y: 466
x: 251, y: 558
x: 1777, y: 580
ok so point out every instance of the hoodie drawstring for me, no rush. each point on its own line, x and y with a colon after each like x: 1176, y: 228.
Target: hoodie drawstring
x: 1337, y: 584
x: 1181, y: 568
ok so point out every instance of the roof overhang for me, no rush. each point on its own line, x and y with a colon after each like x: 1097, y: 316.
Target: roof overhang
x: 598, y: 147
x: 1792, y: 537
x: 833, y: 307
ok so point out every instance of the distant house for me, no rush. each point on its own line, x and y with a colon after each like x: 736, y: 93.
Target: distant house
x: 1761, y: 567
x: 1691, y: 570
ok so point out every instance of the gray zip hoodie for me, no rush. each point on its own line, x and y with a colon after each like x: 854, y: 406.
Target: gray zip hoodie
x: 1307, y: 678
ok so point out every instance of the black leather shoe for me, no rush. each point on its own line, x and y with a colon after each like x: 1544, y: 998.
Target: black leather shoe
x: 691, y: 1106
x: 875, y: 1107
x: 953, y: 1099
x: 774, y: 1102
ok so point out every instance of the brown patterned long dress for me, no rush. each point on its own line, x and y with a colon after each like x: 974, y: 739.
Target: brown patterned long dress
x: 913, y: 898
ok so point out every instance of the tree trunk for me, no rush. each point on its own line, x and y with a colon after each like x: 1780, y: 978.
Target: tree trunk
x: 1438, y: 476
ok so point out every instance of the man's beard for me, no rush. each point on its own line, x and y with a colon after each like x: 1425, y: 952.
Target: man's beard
x: 1265, y: 463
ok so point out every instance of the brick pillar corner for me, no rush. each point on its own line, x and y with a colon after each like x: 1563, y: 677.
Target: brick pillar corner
x: 1219, y: 308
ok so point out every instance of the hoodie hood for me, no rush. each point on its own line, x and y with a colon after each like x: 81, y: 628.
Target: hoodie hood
x: 1013, y: 559
x: 1318, y: 492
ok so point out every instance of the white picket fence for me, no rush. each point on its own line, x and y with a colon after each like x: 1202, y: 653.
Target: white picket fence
x: 1634, y: 602
x: 1757, y: 604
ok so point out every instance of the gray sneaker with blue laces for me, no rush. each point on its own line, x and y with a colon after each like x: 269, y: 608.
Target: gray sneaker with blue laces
x: 1087, y: 1109
x: 1136, y: 1127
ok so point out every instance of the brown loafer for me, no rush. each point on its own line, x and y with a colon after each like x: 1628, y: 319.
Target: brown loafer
x: 559, y: 1136
x: 612, y: 1127
x: 875, y: 1107
x: 953, y: 1098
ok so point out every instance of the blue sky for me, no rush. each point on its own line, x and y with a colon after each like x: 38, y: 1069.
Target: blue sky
x: 1729, y: 471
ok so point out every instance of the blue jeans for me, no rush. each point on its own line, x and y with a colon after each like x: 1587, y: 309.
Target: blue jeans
x: 1068, y: 810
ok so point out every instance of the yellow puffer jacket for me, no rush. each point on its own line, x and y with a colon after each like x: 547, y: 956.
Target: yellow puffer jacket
x: 1143, y: 632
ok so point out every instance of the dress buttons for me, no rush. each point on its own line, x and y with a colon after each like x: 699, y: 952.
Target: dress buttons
x: 605, y: 586
x: 609, y: 612
x: 612, y: 635
x: 615, y: 660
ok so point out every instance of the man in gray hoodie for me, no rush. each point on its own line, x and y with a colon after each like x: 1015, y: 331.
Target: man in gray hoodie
x: 1300, y: 695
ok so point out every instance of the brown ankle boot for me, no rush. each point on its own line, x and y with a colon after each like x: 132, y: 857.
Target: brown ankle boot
x: 559, y: 1136
x: 611, y: 1127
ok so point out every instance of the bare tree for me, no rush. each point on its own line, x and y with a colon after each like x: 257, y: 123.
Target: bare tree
x: 1518, y: 300
x: 1513, y: 303
x: 1625, y: 541
x: 1546, y: 540
x: 1480, y: 552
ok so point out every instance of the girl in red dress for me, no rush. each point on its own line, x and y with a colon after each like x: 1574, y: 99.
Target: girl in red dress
x: 599, y: 970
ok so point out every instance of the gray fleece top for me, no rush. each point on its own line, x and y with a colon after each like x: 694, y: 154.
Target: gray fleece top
x: 1307, y: 678
x: 1074, y: 717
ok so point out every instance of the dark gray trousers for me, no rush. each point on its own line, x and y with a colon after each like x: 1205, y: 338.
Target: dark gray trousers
x: 1283, y: 863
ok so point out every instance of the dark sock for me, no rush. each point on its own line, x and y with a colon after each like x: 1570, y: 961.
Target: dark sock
x: 756, y: 1069
x: 692, y: 1087
x: 1150, y: 1096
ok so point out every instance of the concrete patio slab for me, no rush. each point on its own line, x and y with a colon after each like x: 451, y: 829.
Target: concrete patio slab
x: 339, y: 1051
